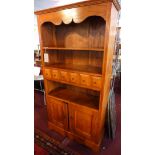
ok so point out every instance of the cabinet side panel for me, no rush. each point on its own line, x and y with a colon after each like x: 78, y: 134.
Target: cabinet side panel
x: 111, y: 23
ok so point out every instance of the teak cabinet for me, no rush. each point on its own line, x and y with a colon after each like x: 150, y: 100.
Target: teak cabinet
x: 77, y: 45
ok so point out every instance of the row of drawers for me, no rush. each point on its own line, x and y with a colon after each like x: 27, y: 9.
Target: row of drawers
x: 85, y: 80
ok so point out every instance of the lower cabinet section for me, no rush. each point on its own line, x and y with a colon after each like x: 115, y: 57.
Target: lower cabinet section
x: 76, y: 121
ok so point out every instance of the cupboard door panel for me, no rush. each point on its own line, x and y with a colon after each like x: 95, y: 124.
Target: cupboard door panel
x: 57, y: 112
x: 96, y: 82
x: 82, y: 121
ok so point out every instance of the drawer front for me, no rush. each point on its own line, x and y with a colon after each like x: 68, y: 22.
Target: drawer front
x: 64, y: 76
x: 85, y: 79
x: 47, y: 73
x: 96, y: 82
x: 55, y: 74
x: 74, y: 78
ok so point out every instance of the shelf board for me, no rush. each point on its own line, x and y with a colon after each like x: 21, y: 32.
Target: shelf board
x: 80, y: 68
x: 68, y: 95
x: 76, y: 49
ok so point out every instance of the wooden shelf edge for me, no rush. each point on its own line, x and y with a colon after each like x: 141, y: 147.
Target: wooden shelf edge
x: 73, y: 49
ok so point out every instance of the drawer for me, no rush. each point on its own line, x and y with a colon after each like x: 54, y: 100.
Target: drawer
x: 55, y: 74
x: 47, y: 73
x: 74, y: 78
x: 96, y: 82
x: 64, y: 76
x: 85, y: 79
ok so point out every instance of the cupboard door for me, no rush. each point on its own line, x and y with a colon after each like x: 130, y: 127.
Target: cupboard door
x: 55, y: 74
x: 74, y: 78
x: 57, y: 112
x: 96, y: 82
x: 82, y: 121
x: 85, y: 79
x: 64, y: 76
x: 47, y: 73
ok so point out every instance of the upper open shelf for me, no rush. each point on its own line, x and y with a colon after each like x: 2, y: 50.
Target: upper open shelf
x: 87, y: 61
x: 87, y: 35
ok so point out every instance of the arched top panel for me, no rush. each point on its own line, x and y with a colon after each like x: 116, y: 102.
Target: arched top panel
x: 77, y: 15
x: 76, y: 21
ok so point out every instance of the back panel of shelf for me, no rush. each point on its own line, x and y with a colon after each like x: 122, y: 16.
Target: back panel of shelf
x: 87, y: 34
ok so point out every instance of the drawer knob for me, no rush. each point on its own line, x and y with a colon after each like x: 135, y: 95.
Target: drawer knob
x: 72, y: 78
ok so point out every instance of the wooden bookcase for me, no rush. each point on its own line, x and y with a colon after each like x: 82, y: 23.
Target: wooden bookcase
x: 77, y: 45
